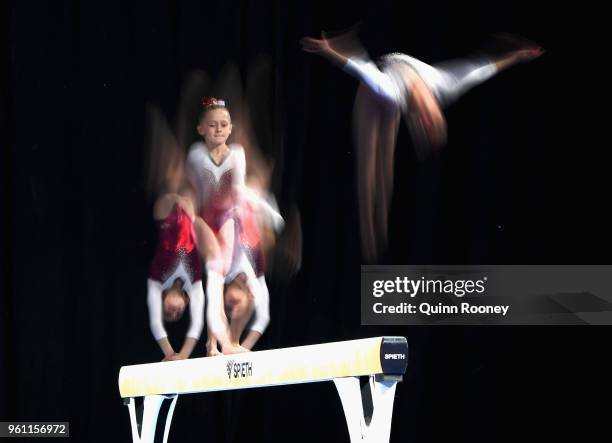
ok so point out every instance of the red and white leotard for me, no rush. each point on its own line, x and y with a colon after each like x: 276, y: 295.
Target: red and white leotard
x: 176, y: 257
x: 248, y: 257
x: 216, y: 184
x: 249, y: 236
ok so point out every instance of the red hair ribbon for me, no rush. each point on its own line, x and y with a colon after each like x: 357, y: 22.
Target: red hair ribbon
x: 209, y: 102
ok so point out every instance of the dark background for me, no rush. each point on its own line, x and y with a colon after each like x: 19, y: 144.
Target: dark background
x: 523, y: 180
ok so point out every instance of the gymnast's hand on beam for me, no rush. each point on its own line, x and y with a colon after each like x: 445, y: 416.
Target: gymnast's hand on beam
x: 173, y: 357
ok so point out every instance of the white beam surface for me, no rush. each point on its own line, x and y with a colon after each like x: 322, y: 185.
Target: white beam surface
x: 303, y: 364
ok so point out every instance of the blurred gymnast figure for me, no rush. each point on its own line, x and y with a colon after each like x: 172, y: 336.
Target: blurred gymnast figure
x: 217, y: 173
x: 175, y: 274
x: 401, y: 84
x: 257, y: 221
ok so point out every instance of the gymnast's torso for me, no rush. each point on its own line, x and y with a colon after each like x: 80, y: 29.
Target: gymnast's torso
x: 176, y: 255
x: 447, y: 81
x: 215, y: 184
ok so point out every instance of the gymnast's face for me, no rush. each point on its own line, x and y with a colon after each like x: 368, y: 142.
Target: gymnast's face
x: 237, y: 298
x: 427, y: 123
x: 424, y: 116
x: 215, y: 127
x: 174, y: 305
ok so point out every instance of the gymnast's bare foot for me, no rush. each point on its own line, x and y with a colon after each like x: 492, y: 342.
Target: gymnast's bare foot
x: 174, y: 357
x: 211, y: 348
x: 234, y: 349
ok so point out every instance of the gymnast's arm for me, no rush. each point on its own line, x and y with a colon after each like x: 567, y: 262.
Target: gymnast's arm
x: 268, y: 209
x: 196, y: 314
x: 323, y: 48
x: 191, y: 191
x: 164, y: 205
x: 251, y: 339
x: 359, y: 66
x: 459, y: 76
x: 154, y: 301
x: 518, y: 56
x: 239, y: 177
x: 262, y: 315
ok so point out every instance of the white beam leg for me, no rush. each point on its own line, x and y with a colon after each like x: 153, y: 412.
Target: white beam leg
x: 152, y: 404
x: 350, y: 396
x: 131, y: 404
x: 169, y: 417
x: 383, y: 395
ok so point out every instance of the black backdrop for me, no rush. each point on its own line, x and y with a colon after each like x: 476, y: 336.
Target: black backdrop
x: 522, y: 181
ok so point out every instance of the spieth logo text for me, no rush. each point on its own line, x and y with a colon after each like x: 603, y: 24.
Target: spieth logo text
x: 239, y: 370
x: 395, y: 356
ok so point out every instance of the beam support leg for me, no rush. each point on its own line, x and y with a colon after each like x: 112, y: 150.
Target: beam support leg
x: 152, y: 404
x: 382, y: 392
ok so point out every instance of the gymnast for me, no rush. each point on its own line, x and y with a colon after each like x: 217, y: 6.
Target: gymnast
x: 401, y: 84
x: 246, y: 296
x: 175, y: 273
x: 217, y: 173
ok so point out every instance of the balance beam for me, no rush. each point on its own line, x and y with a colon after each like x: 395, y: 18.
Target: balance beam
x: 368, y: 411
